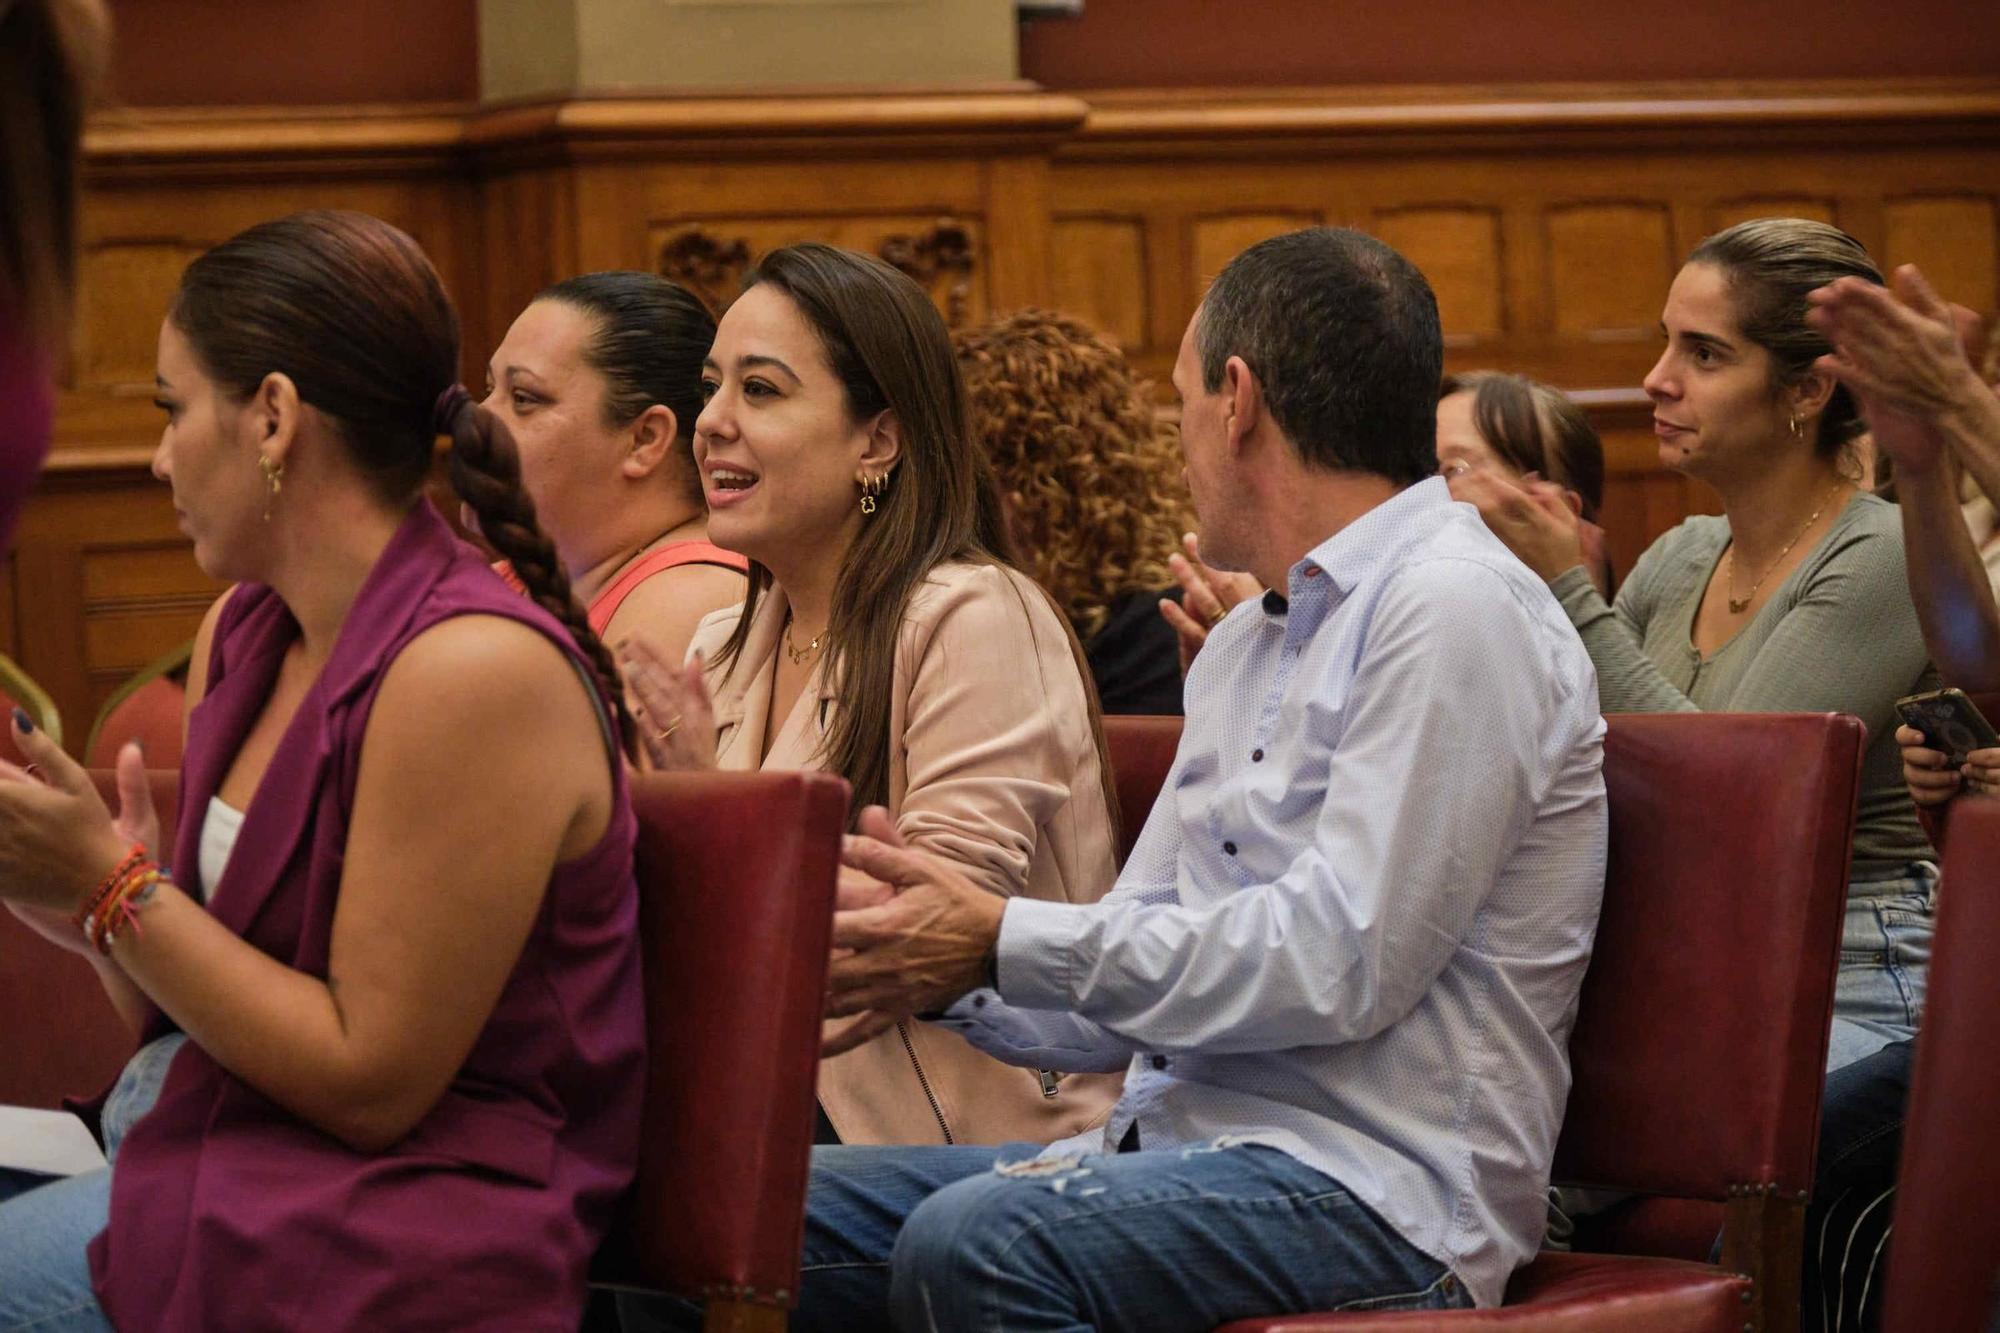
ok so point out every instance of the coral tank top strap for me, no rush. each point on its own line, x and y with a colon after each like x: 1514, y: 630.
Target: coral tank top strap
x: 670, y: 556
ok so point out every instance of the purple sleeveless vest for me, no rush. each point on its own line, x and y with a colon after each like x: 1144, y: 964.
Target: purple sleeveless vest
x: 228, y: 1212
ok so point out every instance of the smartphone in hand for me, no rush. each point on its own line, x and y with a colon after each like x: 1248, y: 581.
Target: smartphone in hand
x: 1950, y: 723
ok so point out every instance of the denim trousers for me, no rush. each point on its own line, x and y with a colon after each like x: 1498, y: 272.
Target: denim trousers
x: 1885, y: 958
x: 44, y: 1230
x: 966, y: 1238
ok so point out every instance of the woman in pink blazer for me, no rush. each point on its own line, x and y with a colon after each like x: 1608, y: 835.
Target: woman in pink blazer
x: 885, y: 639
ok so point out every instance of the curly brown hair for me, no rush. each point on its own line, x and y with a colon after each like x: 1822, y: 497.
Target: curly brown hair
x: 1090, y: 472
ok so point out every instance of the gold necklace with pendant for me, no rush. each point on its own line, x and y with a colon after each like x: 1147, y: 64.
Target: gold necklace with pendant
x: 1738, y: 605
x: 801, y: 656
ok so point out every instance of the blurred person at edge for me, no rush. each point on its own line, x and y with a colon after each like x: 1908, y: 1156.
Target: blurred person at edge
x: 52, y: 59
x: 1903, y: 353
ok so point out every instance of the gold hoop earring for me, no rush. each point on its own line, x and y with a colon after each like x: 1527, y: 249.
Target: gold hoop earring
x: 870, y: 488
x: 1795, y: 428
x: 274, y: 477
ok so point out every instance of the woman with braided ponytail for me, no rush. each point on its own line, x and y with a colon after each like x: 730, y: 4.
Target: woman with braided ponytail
x: 388, y: 992
x: 599, y: 383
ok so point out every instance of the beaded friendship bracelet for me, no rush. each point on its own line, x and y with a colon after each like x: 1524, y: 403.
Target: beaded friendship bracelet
x: 118, y: 898
x: 106, y: 885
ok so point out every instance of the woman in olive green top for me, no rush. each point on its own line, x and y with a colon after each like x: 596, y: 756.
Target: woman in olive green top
x: 1794, y: 600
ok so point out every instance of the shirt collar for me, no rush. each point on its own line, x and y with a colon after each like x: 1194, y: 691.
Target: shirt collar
x: 1349, y: 556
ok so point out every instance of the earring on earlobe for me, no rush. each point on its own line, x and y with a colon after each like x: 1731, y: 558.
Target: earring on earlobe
x: 274, y: 477
x: 1795, y: 427
x: 870, y: 488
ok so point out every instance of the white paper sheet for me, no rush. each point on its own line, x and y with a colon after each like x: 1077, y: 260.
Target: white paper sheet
x: 54, y: 1143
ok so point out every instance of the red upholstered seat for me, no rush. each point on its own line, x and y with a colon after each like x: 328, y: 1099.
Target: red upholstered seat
x: 1701, y: 1038
x: 1142, y: 750
x: 1944, y: 1255
x: 736, y: 890
x: 147, y: 708
x: 62, y: 1037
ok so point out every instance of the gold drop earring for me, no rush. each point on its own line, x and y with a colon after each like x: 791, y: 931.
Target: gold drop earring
x: 274, y: 477
x: 870, y: 488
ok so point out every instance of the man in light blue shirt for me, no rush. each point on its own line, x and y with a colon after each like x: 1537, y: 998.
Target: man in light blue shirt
x: 1341, y: 966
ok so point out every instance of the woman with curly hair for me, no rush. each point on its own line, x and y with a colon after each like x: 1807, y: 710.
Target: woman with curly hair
x: 1091, y: 481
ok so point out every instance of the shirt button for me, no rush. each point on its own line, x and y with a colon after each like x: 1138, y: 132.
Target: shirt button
x: 979, y: 1002
x: 1312, y: 571
x: 1256, y: 756
x: 1159, y: 1062
x: 1229, y: 847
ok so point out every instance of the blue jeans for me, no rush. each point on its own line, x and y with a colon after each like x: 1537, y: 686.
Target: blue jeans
x: 44, y: 1273
x: 970, y: 1238
x: 1885, y: 958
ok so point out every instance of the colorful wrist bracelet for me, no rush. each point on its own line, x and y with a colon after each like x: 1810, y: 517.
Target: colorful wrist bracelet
x: 122, y: 908
x: 106, y: 885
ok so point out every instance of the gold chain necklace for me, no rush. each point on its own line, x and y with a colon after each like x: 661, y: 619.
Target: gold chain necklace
x: 801, y: 656
x: 1736, y: 605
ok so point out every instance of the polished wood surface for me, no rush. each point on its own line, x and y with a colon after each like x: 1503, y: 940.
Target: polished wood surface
x: 1550, y: 220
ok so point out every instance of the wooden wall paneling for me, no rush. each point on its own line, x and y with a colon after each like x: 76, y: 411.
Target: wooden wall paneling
x: 114, y: 584
x: 1609, y: 263
x: 529, y: 238
x: 1172, y: 295
x: 1099, y: 273
x: 135, y: 241
x: 1954, y: 238
x: 1217, y: 238
x: 743, y: 210
x: 1728, y: 212
x: 1019, y: 243
x: 1461, y: 250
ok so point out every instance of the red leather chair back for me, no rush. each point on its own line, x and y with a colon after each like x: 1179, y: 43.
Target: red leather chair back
x: 63, y: 1039
x: 736, y: 893
x: 1142, y: 750
x: 1700, y: 1043
x: 1944, y: 1260
x: 151, y: 713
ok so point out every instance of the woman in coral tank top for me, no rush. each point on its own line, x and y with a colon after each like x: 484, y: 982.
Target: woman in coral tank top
x: 599, y: 380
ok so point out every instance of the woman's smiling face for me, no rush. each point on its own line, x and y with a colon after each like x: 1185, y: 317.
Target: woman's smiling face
x: 777, y: 443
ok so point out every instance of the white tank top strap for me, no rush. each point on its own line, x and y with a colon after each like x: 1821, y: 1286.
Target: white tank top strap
x: 219, y: 827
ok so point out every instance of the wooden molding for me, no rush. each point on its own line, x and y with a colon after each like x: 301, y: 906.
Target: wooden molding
x: 136, y: 145
x: 1120, y: 122
x: 845, y: 124
x: 1524, y: 116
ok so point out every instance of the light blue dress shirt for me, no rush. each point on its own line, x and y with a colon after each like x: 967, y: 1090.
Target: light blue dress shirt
x: 1355, y: 924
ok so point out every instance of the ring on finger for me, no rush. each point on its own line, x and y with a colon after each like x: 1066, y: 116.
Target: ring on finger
x: 673, y: 725
x: 1214, y: 618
